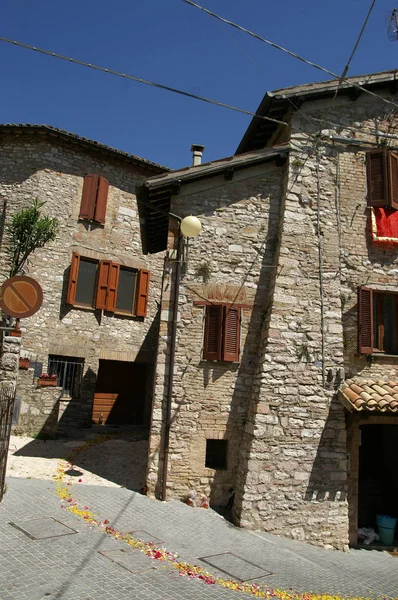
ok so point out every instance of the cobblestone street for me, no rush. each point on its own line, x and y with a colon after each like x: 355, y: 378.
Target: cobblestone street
x: 47, y: 552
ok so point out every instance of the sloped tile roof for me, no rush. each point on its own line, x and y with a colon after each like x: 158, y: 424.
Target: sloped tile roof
x: 369, y: 395
x: 67, y: 135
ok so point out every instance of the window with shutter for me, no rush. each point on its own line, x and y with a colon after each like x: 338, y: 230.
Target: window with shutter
x: 231, y: 334
x: 89, y: 196
x: 82, y: 281
x: 393, y: 179
x: 365, y: 304
x: 102, y: 198
x: 382, y: 178
x: 222, y: 333
x: 94, y: 198
x: 378, y: 321
x: 73, y: 274
x: 107, y: 285
x: 213, y: 332
x: 142, y: 294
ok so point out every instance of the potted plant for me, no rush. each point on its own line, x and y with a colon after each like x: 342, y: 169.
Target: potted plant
x: 47, y: 380
x: 24, y: 363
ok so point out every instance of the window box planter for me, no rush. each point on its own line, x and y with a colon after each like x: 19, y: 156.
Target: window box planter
x: 24, y: 363
x: 47, y: 382
x: 15, y: 333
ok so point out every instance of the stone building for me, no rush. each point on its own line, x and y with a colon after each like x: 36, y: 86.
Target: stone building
x: 96, y: 331
x: 262, y: 391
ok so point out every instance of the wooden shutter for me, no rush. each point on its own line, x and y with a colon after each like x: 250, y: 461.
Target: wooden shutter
x: 365, y: 320
x: 393, y: 179
x: 73, y: 275
x: 376, y: 170
x: 213, y: 332
x: 231, y: 334
x: 142, y: 293
x: 102, y: 198
x: 113, y: 281
x: 89, y: 196
x: 102, y: 285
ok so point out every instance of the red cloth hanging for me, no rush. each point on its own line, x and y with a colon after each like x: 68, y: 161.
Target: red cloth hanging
x: 385, y: 225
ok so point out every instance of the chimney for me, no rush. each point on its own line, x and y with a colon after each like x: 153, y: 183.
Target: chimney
x: 197, y: 152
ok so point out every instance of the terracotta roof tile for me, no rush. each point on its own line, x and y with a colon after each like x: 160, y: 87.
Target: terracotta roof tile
x: 369, y: 395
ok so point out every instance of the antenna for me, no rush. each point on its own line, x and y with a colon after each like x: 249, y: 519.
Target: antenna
x: 392, y: 30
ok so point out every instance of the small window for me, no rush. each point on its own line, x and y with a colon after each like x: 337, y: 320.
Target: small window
x: 86, y: 282
x: 382, y: 178
x: 222, y: 332
x: 69, y: 371
x: 378, y: 321
x: 216, y: 454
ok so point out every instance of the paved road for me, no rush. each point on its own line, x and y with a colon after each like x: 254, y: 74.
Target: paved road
x: 91, y: 565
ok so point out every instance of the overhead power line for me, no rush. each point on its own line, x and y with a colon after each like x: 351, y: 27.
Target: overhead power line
x: 140, y: 80
x: 289, y: 52
x: 355, y: 46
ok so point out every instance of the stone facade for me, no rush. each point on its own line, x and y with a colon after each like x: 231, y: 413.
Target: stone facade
x: 42, y: 164
x: 237, y: 251
x: 295, y: 242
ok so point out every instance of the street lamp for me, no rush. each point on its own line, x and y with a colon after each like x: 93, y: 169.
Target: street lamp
x: 190, y: 226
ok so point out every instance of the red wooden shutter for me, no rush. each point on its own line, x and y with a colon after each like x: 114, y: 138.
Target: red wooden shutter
x: 113, y: 281
x: 393, y: 179
x: 376, y: 169
x: 365, y: 320
x: 89, y: 196
x: 213, y: 332
x: 102, y: 285
x: 73, y: 275
x: 231, y: 334
x: 142, y: 294
x: 102, y: 197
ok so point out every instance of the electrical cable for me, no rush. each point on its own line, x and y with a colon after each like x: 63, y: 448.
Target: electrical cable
x: 188, y: 94
x: 312, y: 120
x: 140, y: 80
x: 355, y: 47
x: 289, y: 52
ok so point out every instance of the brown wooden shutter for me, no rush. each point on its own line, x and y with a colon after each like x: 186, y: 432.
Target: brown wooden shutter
x: 213, y: 332
x: 113, y: 281
x: 73, y: 275
x: 102, y: 285
x: 89, y: 196
x: 376, y: 169
x: 231, y: 334
x: 142, y: 293
x: 365, y: 320
x: 102, y: 198
x: 393, y: 179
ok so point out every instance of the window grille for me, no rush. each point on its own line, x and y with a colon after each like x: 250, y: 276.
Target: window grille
x: 69, y: 372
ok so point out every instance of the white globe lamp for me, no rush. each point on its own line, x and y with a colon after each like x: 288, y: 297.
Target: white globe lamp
x: 190, y: 226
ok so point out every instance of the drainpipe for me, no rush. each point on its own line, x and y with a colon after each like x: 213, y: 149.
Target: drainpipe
x: 170, y: 381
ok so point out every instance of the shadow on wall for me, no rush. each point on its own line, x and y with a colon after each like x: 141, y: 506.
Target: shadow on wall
x: 329, y: 476
x: 228, y: 486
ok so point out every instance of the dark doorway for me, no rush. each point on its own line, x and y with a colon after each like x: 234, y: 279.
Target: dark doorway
x: 378, y: 481
x: 120, y: 393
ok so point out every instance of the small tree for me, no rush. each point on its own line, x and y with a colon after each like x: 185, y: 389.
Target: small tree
x: 27, y: 231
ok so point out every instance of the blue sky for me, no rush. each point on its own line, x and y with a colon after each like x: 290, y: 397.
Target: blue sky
x: 177, y: 45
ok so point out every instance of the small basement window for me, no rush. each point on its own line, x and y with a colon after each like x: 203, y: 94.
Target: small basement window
x: 216, y: 454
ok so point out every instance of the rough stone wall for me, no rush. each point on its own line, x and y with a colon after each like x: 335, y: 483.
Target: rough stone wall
x: 210, y: 399
x: 294, y: 450
x: 34, y: 166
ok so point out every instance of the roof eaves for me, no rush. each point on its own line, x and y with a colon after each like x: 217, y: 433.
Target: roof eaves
x: 214, y: 168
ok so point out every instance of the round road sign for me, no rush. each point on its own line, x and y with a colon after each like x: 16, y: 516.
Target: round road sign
x: 21, y: 296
